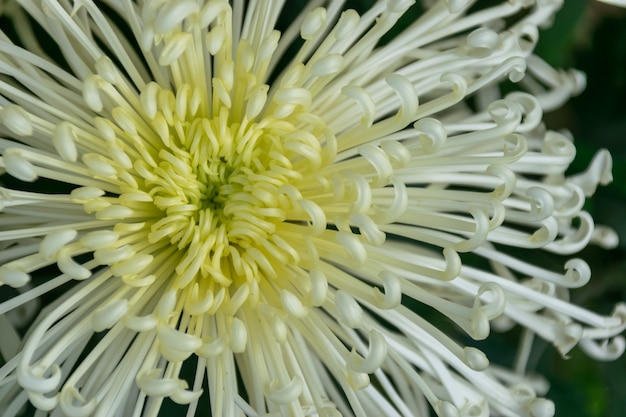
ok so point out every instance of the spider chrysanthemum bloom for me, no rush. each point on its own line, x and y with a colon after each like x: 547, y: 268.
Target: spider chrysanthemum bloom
x: 242, y: 220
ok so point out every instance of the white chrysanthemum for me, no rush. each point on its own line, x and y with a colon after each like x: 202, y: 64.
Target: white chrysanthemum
x: 240, y: 218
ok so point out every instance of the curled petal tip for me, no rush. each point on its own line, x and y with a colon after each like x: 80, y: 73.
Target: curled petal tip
x: 540, y: 407
x: 446, y: 409
x: 284, y: 393
x: 74, y: 405
x: 475, y: 359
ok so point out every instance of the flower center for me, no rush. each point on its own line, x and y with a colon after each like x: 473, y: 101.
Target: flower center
x: 214, y: 186
x: 217, y: 175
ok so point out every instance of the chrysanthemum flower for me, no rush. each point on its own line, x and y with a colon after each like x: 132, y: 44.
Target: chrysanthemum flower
x: 242, y: 220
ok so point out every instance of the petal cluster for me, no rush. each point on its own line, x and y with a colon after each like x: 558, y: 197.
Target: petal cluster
x: 232, y: 213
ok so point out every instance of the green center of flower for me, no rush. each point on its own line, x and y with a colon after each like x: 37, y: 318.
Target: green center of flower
x: 214, y: 175
x: 215, y: 186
